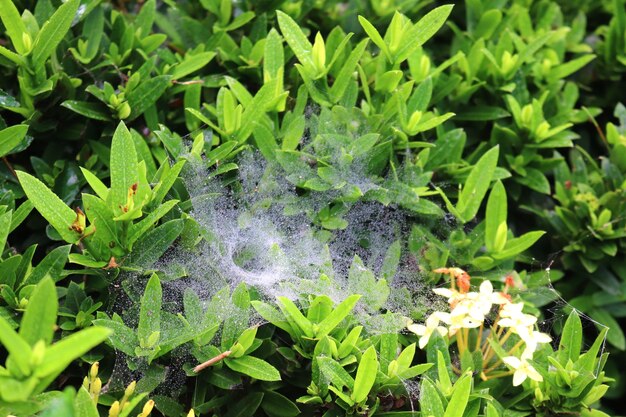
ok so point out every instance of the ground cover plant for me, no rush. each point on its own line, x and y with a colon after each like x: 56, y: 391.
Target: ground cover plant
x: 317, y: 208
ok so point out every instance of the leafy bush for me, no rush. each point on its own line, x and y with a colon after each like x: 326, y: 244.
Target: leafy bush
x: 242, y: 208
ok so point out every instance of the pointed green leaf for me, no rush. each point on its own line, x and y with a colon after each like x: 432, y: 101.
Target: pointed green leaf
x: 298, y: 43
x: 495, y: 216
x: 375, y: 36
x: 422, y: 31
x: 365, y: 375
x: 253, y: 367
x: 518, y: 245
x: 123, y: 167
x: 337, y: 315
x: 571, y: 339
x: 17, y: 347
x: 13, y: 24
x: 150, y: 309
x: 146, y: 94
x: 460, y: 397
x: 11, y: 137
x: 51, y: 207
x: 477, y: 184
x: 51, y: 266
x: 53, y: 32
x: 191, y: 64
x: 335, y: 373
x: 61, y: 354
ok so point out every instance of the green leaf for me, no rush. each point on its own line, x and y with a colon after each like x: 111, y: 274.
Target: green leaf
x: 96, y: 184
x: 153, y: 244
x: 51, y: 207
x: 571, y: 339
x: 123, y: 167
x: 190, y: 64
x: 615, y: 335
x: 17, y: 347
x: 294, y: 316
x: 365, y: 375
x: 347, y: 69
x: 84, y: 405
x: 430, y: 401
x: 138, y: 229
x: 495, y: 218
x: 13, y: 24
x: 274, y: 57
x: 146, y: 94
x: 41, y: 314
x: 167, y: 180
x: 335, y: 373
x: 253, y: 367
x: 477, y: 184
x: 298, y: 43
x: 337, y: 315
x: 88, y: 109
x: 247, y: 407
x: 101, y: 217
x: 460, y: 396
x: 121, y: 337
x: 255, y: 111
x: 277, y: 405
x: 518, y: 245
x: 536, y: 180
x: 150, y: 309
x: 482, y: 113
x: 375, y: 36
x: 11, y: 137
x: 53, y: 32
x: 5, y: 224
x: 20, y: 214
x: 422, y: 31
x: 61, y: 354
x: 272, y: 315
x: 51, y: 266
x: 568, y: 68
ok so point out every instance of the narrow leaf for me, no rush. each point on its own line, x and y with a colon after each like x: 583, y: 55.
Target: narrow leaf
x: 51, y: 207
x: 365, y: 375
x: 53, y: 32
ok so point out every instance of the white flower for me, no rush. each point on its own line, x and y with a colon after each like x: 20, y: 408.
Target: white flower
x: 432, y: 325
x: 513, y: 317
x: 461, y: 319
x: 453, y: 296
x: 532, y: 338
x: 522, y: 369
x: 479, y: 303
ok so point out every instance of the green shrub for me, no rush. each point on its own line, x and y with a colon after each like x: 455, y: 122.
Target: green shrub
x: 255, y: 199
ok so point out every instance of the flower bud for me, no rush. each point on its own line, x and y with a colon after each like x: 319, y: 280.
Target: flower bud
x: 94, y: 390
x: 38, y: 353
x: 542, y: 130
x: 93, y: 371
x: 424, y: 66
x: 114, y: 100
x: 191, y: 413
x: 114, y: 411
x: 508, y: 63
x: 123, y: 111
x: 27, y: 41
x: 319, y: 53
x: 130, y: 389
x: 147, y: 408
x: 527, y: 115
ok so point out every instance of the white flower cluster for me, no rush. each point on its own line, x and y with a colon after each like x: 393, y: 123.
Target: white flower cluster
x: 468, y: 310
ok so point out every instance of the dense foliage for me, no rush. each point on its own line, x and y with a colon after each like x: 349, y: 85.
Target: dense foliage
x: 487, y: 139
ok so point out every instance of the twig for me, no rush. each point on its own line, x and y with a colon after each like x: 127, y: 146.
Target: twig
x: 211, y: 361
